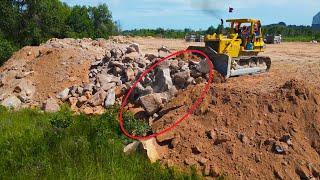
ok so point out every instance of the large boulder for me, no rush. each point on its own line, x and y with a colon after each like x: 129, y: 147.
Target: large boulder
x: 11, y: 102
x: 163, y: 81
x: 152, y: 103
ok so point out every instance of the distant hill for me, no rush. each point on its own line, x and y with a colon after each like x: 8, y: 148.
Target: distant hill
x: 316, y: 21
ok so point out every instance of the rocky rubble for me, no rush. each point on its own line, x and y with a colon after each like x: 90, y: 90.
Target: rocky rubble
x: 112, y: 76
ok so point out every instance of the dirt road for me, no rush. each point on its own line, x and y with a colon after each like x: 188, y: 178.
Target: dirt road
x: 289, y: 60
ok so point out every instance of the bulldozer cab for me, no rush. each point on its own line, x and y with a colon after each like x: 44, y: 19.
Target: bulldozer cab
x: 244, y: 38
x: 249, y: 27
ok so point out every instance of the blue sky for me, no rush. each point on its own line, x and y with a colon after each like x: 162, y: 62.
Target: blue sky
x: 200, y: 14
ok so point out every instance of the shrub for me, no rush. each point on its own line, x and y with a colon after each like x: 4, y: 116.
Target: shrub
x: 6, y: 50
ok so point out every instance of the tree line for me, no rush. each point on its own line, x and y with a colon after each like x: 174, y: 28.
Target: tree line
x: 31, y: 22
x: 290, y: 32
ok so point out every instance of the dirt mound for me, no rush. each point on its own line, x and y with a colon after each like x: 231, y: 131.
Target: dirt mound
x: 49, y: 68
x: 246, y: 134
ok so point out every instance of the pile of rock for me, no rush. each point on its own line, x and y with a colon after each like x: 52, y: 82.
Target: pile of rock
x: 113, y: 75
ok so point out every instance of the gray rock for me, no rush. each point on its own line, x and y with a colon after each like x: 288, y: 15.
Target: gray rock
x: 148, y: 90
x: 152, y: 103
x: 107, y: 78
x: 108, y: 86
x: 203, y: 66
x: 26, y: 88
x: 130, y: 74
x: 88, y: 87
x: 135, y: 47
x: 98, y: 98
x: 116, y: 64
x: 110, y: 99
x: 116, y: 52
x: 11, y: 102
x: 180, y: 79
x: 172, y: 92
x: 131, y: 57
x: 280, y: 148
x: 132, y: 147
x: 63, y: 95
x: 174, y: 65
x: 163, y: 81
x: 80, y: 91
x: 51, y: 105
x: 150, y: 57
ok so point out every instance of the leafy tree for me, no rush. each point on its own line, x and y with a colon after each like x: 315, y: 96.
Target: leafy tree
x: 102, y: 21
x: 211, y: 30
x: 79, y: 23
x: 6, y: 49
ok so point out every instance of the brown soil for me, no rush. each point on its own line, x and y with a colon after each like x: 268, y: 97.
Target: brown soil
x: 247, y: 126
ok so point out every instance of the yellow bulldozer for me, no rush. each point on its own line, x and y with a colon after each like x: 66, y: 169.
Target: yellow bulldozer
x: 236, y: 53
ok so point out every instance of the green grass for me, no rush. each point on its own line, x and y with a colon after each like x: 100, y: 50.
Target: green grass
x: 297, y: 38
x: 36, y: 145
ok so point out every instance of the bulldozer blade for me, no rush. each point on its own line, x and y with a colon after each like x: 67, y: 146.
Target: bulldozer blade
x: 230, y: 67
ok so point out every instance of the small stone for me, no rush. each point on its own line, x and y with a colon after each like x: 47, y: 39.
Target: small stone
x: 168, y: 136
x: 88, y: 94
x: 63, y: 95
x: 211, y: 134
x: 131, y: 57
x: 108, y: 86
x: 51, y: 105
x: 98, y: 98
x: 280, y: 148
x: 131, y: 148
x: 134, y: 47
x: 130, y: 74
x: 190, y: 161
x: 73, y: 102
x: 244, y: 139
x: 150, y: 147
x: 202, y: 160
x: 99, y: 110
x: 174, y: 65
x: 286, y: 139
x: 81, y: 100
x: 88, y: 111
x: 110, y: 98
x: 222, y: 137
x: 11, y: 102
x: 150, y: 57
x: 203, y: 66
x: 196, y: 149
x: 88, y: 87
